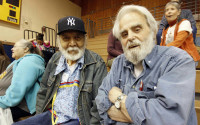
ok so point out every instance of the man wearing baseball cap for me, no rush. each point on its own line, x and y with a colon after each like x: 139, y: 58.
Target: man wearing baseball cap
x: 71, y: 80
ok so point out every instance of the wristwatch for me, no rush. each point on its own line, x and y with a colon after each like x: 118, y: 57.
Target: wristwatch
x: 118, y: 101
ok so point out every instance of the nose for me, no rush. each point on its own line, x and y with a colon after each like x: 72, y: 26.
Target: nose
x: 169, y: 11
x: 72, y: 43
x: 131, y: 36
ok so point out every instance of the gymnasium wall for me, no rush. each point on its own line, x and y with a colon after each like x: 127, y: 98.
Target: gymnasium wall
x: 38, y: 13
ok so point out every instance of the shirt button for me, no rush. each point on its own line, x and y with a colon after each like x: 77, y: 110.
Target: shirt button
x: 149, y: 61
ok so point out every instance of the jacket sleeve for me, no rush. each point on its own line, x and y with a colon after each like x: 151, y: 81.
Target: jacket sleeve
x: 180, y: 39
x: 100, y: 73
x: 24, y: 77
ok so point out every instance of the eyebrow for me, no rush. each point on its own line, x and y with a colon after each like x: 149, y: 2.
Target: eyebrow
x: 133, y: 26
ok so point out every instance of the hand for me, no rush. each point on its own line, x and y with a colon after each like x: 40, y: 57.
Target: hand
x: 46, y: 42
x: 117, y: 115
x: 114, y: 93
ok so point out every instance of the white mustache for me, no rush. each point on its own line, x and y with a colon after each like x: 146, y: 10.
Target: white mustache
x: 133, y: 43
x: 72, y: 48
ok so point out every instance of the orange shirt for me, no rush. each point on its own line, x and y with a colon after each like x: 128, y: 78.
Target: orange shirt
x: 182, y: 40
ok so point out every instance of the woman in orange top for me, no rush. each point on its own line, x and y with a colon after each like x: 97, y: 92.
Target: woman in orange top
x: 179, y: 31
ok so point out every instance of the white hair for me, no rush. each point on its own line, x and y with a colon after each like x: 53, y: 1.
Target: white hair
x: 132, y: 8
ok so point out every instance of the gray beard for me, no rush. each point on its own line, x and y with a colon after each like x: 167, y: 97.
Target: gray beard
x: 136, y: 55
x: 69, y: 56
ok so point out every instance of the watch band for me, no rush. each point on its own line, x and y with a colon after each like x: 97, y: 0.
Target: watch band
x: 118, y: 101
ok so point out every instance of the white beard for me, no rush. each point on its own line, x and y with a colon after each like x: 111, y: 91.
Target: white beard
x: 69, y: 56
x: 136, y: 55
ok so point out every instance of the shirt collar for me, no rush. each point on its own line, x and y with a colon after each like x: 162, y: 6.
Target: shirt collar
x: 62, y: 64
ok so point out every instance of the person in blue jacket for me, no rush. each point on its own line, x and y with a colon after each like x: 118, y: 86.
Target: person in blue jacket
x: 19, y: 83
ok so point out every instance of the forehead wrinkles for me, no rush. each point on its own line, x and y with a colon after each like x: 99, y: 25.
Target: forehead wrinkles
x: 131, y: 20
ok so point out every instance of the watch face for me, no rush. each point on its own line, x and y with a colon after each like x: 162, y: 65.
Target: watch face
x: 117, y: 104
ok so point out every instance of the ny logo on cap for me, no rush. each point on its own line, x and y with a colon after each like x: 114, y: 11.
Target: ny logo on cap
x: 71, y: 21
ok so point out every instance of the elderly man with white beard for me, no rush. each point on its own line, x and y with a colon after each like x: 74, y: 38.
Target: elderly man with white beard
x: 148, y: 84
x: 71, y: 80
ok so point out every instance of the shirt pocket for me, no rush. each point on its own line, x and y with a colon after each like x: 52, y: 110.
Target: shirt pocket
x: 86, y: 94
x: 148, y: 91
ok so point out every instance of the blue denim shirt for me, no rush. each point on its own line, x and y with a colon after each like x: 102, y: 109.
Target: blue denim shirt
x: 168, y: 89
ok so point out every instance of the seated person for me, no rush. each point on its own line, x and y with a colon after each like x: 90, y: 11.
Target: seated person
x: 114, y: 49
x: 185, y: 14
x: 4, y: 59
x: 19, y: 83
x: 39, y: 42
x: 179, y: 31
x: 148, y: 84
x: 71, y: 80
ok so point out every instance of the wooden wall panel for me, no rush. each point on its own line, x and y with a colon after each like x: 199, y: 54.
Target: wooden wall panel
x: 98, y: 9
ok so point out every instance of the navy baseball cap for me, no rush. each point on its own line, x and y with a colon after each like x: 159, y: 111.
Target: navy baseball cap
x: 71, y: 23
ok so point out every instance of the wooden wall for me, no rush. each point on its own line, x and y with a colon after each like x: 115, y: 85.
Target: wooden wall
x: 96, y: 9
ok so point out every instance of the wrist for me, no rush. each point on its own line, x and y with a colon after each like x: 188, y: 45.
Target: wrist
x: 119, y: 100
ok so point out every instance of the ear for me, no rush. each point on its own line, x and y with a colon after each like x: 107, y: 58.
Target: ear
x: 26, y: 50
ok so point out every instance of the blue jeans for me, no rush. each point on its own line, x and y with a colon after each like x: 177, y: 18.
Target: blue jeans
x: 44, y: 119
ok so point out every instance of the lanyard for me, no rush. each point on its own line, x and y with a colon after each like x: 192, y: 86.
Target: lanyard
x: 53, y: 111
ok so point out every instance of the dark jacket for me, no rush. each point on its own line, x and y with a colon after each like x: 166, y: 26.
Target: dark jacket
x: 92, y: 74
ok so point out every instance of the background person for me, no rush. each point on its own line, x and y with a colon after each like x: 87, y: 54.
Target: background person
x: 39, y: 42
x: 148, y: 84
x: 4, y: 59
x: 185, y: 14
x: 114, y: 49
x: 179, y: 32
x: 19, y: 83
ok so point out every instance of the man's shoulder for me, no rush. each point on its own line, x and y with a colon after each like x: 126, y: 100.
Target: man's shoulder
x: 90, y: 55
x: 54, y: 59
x: 172, y: 52
x: 56, y: 55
